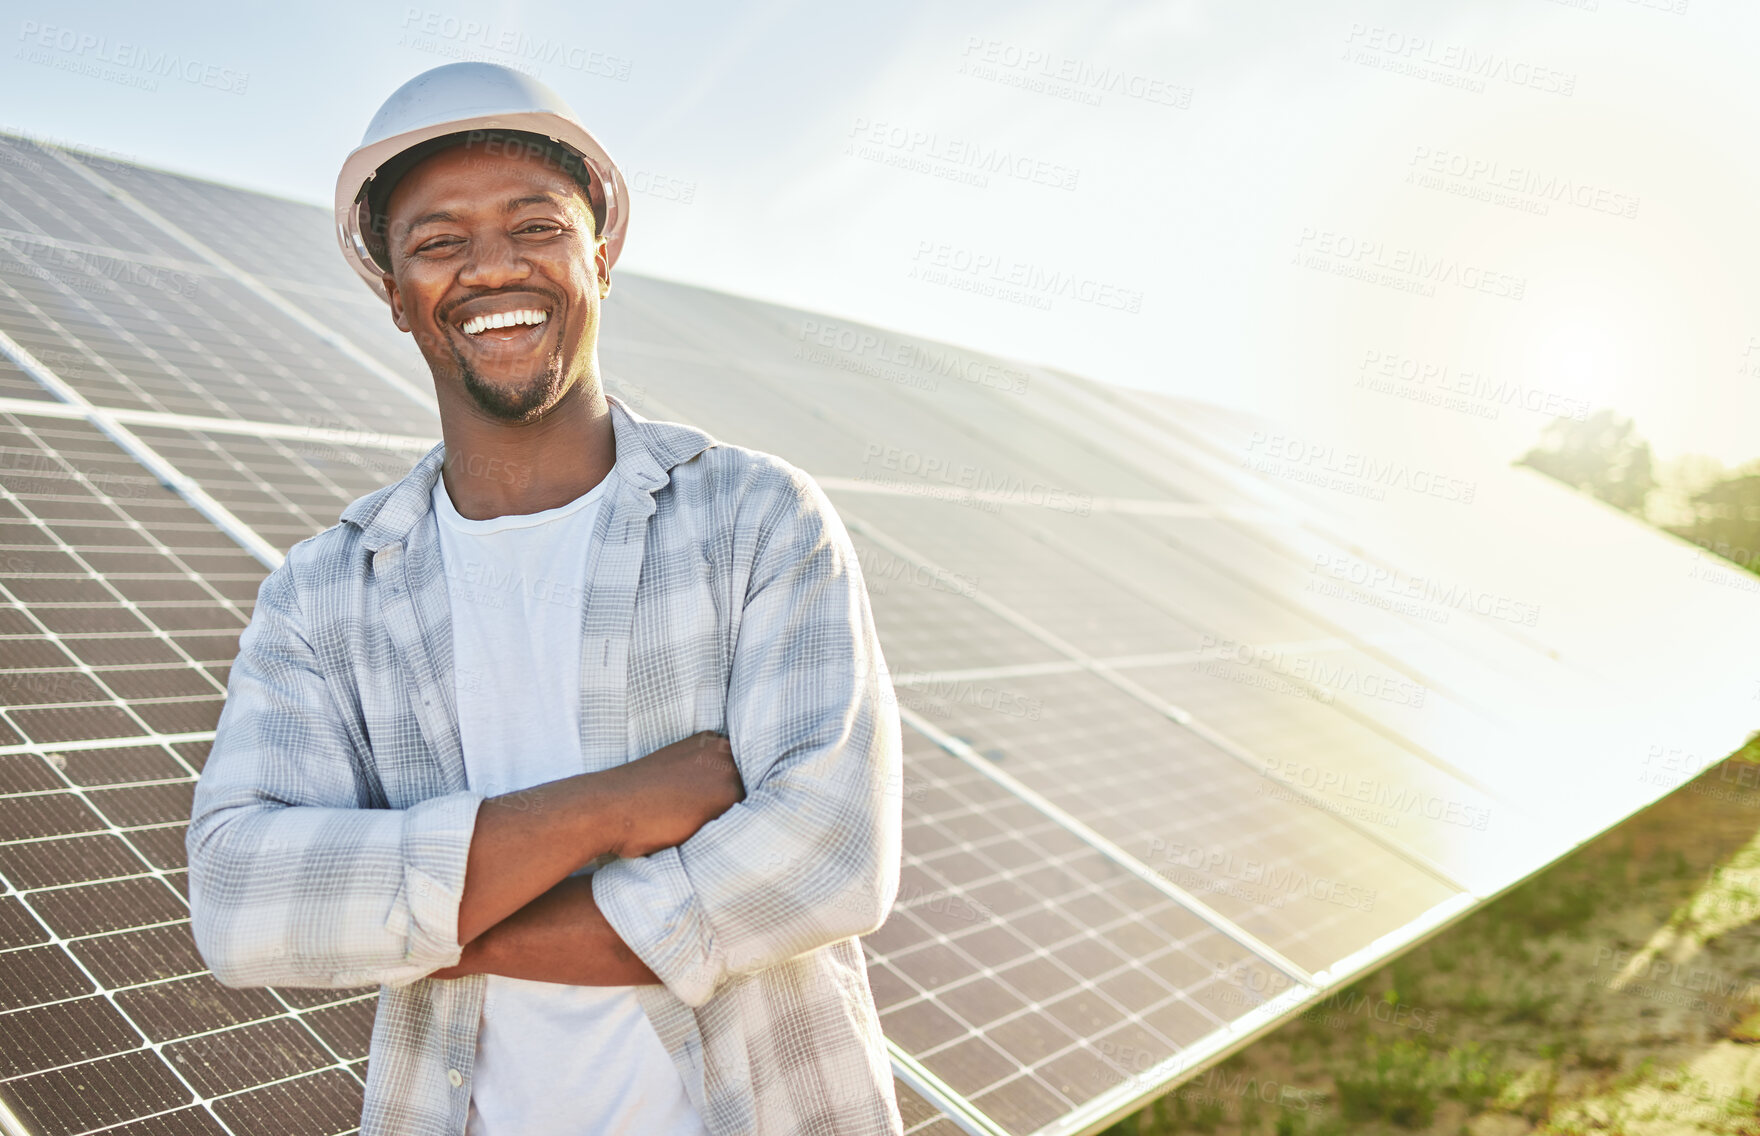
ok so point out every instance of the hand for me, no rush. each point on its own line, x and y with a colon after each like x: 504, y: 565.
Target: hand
x: 665, y: 797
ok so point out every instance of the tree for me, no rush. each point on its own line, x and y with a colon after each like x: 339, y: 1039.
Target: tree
x: 1602, y: 455
x: 1726, y: 519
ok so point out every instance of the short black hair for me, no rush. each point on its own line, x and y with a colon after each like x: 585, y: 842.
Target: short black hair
x: 385, y: 178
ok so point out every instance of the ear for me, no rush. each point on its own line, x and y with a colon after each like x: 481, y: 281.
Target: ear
x: 602, y: 266
x: 397, y: 314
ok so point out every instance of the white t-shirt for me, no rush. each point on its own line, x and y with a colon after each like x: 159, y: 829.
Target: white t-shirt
x: 552, y: 1059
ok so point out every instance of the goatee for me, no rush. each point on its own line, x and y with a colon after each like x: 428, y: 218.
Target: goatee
x: 520, y: 403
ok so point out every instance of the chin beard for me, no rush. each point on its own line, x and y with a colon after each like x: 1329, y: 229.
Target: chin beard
x: 519, y: 403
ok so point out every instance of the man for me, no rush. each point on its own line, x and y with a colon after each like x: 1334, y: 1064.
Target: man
x: 576, y: 740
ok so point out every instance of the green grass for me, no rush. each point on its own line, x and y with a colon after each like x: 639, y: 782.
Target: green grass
x: 1527, y: 1036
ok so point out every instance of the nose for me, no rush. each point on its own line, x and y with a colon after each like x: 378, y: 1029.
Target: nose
x: 496, y: 260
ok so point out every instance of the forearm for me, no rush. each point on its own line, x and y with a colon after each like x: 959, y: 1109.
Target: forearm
x: 525, y: 843
x: 562, y: 937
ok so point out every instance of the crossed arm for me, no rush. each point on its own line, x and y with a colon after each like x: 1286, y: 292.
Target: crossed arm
x: 524, y: 915
x: 294, y: 883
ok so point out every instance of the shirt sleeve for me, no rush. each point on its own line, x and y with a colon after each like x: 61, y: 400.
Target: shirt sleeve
x: 811, y: 856
x: 293, y: 880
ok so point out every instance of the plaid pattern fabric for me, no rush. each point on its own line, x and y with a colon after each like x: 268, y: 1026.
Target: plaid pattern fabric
x: 330, y: 826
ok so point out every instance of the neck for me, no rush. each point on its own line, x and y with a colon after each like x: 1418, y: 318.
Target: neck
x: 495, y: 468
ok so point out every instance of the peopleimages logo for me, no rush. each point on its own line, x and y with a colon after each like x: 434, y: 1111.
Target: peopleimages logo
x: 442, y: 33
x: 133, y: 64
x: 1399, y: 267
x: 1064, y: 77
x: 1035, y: 285
x: 871, y: 352
x: 957, y: 159
x: 1432, y: 590
x: 1209, y: 866
x: 1451, y: 64
x: 1357, y: 473
x: 1529, y: 189
x: 1332, y: 678
x: 990, y: 486
x: 1471, y: 392
x: 1396, y: 801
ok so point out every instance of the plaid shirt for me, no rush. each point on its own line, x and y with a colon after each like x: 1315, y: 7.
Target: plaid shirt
x: 330, y: 827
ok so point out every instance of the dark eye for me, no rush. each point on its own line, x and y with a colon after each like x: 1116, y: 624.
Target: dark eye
x: 435, y: 244
x: 539, y: 226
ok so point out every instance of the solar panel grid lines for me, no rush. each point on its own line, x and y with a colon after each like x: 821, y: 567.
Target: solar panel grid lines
x: 31, y: 174
x: 1141, y: 542
x: 1100, y: 561
x: 1132, y: 864
x: 128, y: 441
x: 1139, y: 412
x: 1065, y: 665
x: 1296, y: 875
x: 97, y: 280
x: 81, y: 287
x: 236, y: 430
x: 156, y: 1010
x: 1270, y: 597
x: 1132, y: 618
x: 1002, y: 459
x: 281, y: 492
x: 1149, y: 1083
x: 929, y: 1107
x: 856, y: 342
x: 924, y: 617
x: 1055, y: 956
x: 1150, y: 433
x: 1128, y: 420
x: 365, y: 360
x: 290, y: 472
x: 1180, y: 715
x: 27, y: 239
x: 106, y: 592
x: 173, y: 352
x: 1019, y: 959
x: 34, y: 329
x: 1124, y: 505
x: 270, y: 236
x: 135, y: 823
x: 273, y: 430
x: 342, y: 436
x: 16, y: 386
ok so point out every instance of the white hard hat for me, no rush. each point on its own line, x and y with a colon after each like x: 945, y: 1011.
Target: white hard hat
x: 457, y: 99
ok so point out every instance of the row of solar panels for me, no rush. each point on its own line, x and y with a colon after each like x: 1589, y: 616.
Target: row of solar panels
x: 1166, y: 779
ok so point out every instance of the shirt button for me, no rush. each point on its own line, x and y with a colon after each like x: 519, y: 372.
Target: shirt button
x: 455, y: 1077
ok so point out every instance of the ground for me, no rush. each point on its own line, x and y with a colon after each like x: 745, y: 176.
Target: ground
x: 1617, y: 992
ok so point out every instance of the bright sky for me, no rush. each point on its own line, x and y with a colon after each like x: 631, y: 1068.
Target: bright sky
x: 1178, y: 196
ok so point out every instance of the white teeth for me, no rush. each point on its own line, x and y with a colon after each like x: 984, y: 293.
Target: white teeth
x: 478, y: 324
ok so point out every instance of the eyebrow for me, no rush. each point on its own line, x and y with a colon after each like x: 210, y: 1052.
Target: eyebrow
x: 508, y: 207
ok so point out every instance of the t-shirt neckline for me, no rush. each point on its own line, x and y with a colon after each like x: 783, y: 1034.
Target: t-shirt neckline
x: 447, y: 513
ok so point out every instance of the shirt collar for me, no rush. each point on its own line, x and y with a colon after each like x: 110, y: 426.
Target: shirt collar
x: 646, y: 452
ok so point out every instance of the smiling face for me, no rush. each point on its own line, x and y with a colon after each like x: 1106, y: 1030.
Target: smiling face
x: 497, y: 272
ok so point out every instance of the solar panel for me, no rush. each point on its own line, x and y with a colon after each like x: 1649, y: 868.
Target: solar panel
x: 1176, y: 763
